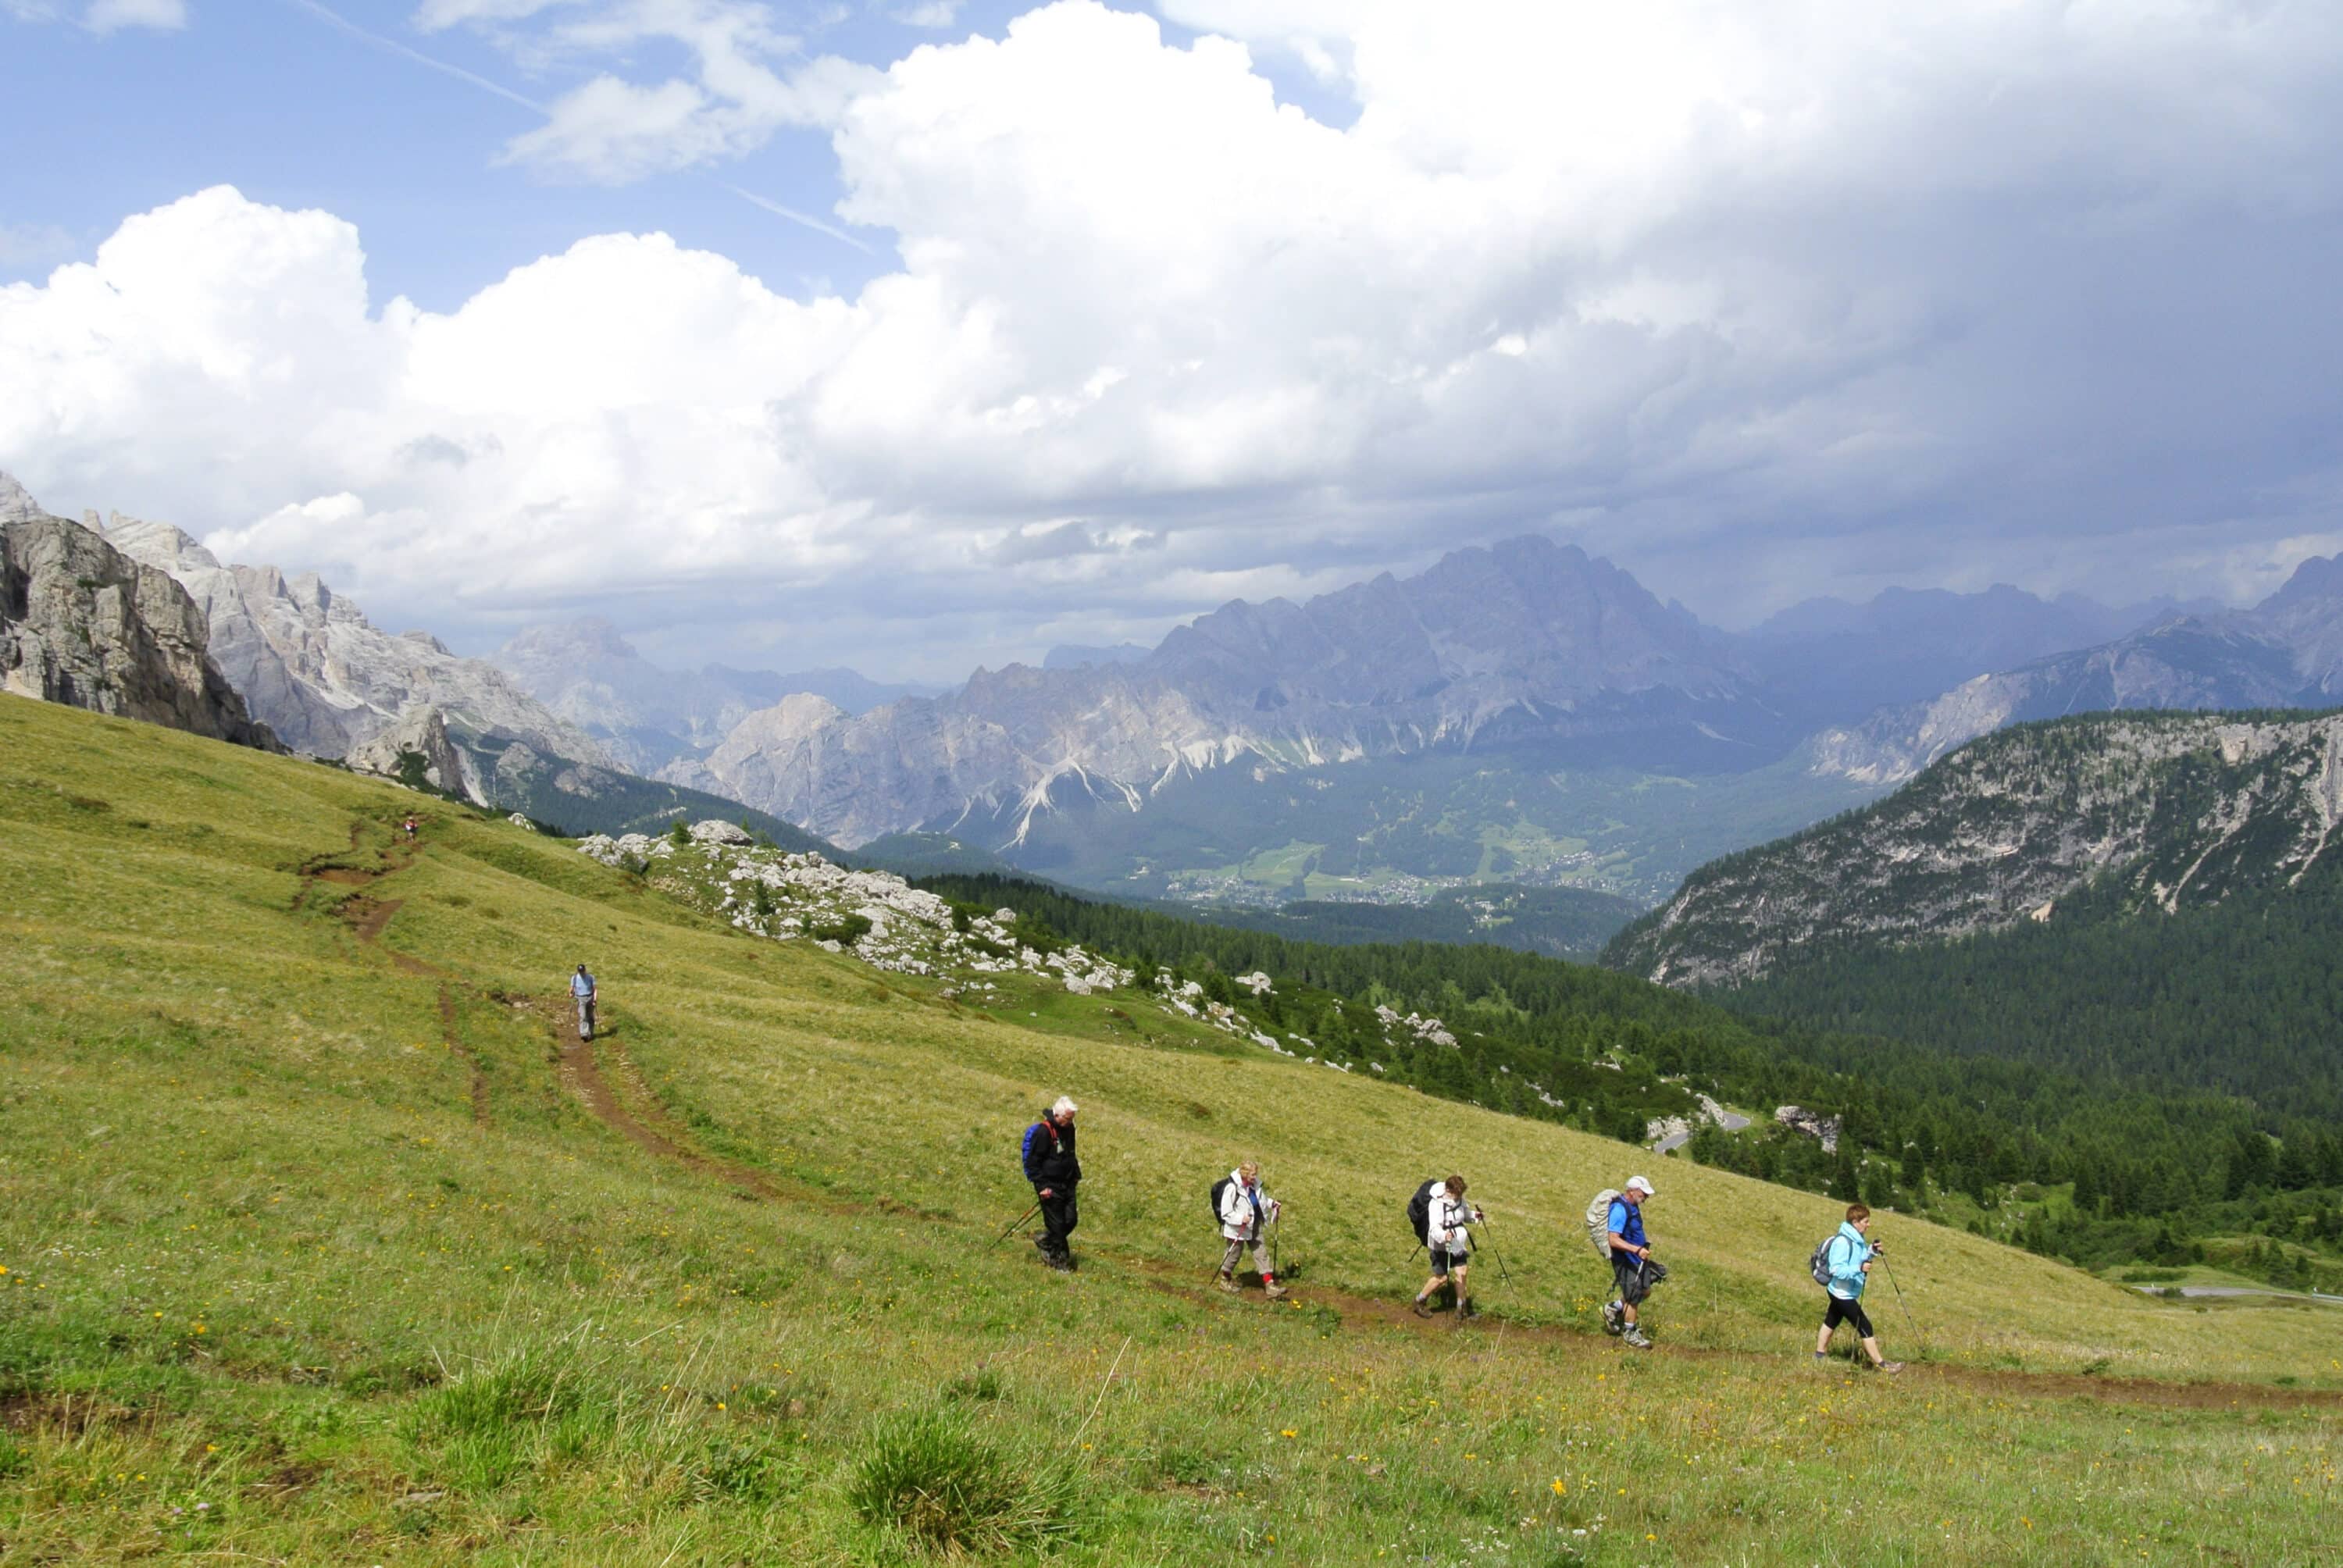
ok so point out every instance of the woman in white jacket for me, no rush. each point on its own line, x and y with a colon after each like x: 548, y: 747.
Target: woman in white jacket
x: 1244, y: 1208
x: 1452, y: 1246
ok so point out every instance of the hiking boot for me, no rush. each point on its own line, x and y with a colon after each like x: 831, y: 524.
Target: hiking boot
x: 1062, y: 1262
x: 1634, y: 1338
x: 1887, y: 1366
x: 1420, y: 1309
x: 1275, y: 1292
x: 1466, y: 1311
x: 1227, y: 1284
x: 1613, y: 1318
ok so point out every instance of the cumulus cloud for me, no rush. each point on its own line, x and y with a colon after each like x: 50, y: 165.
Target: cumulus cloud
x: 1759, y: 299
x: 102, y: 16
x: 749, y: 78
x: 109, y: 16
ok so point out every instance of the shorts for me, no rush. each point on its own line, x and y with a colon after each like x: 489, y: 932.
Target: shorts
x: 1635, y: 1277
x: 1442, y: 1261
x: 1843, y: 1310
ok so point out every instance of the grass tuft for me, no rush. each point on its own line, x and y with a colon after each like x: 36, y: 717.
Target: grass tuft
x: 930, y: 1480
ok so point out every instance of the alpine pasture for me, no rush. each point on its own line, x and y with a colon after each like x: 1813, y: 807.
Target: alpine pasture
x: 324, y: 1240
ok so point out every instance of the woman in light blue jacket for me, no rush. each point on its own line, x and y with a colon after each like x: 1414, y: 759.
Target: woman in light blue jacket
x: 1849, y: 1256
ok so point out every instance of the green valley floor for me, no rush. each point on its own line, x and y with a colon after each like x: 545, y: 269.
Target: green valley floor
x: 323, y: 1240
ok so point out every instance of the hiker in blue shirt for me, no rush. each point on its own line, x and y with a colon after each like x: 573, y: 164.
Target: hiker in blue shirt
x: 1631, y: 1269
x: 1849, y: 1255
x: 581, y: 991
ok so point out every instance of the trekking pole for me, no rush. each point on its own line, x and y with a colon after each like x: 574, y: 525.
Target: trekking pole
x: 1016, y: 1222
x: 1276, y: 1229
x: 1900, y: 1301
x: 1498, y: 1257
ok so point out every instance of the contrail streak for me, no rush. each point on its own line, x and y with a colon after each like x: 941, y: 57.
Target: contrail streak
x: 796, y: 216
x: 392, y: 45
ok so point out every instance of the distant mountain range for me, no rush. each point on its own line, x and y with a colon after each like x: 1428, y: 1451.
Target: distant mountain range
x: 2287, y: 651
x: 1518, y: 714
x: 646, y: 717
x: 1834, y: 658
x: 1521, y: 711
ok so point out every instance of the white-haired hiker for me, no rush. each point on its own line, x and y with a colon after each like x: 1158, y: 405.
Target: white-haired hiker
x: 1244, y: 1208
x: 1850, y: 1254
x: 1631, y: 1269
x: 1050, y: 1165
x: 1450, y: 1244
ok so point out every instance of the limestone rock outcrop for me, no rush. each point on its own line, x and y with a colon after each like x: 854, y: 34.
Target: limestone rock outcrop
x: 421, y: 733
x: 82, y: 624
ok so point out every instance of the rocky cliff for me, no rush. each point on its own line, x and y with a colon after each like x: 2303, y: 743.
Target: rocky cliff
x: 330, y: 682
x: 82, y: 624
x: 2152, y: 812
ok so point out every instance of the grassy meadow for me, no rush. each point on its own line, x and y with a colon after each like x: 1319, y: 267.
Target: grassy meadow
x: 322, y: 1245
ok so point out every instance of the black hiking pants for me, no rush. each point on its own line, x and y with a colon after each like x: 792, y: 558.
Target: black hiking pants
x: 1058, y: 1219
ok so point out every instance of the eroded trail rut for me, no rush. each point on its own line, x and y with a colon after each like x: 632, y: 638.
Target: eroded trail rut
x: 622, y: 1100
x: 368, y: 917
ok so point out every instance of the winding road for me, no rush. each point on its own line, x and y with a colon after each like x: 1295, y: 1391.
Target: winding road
x: 1733, y: 1122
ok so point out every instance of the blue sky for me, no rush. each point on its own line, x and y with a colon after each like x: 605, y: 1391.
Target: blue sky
x: 1133, y: 310
x: 272, y: 98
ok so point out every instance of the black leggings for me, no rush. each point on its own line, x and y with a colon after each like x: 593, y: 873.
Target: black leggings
x: 1845, y: 1311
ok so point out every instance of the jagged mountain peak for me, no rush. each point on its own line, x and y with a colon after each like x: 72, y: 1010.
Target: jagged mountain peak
x: 2319, y: 580
x: 16, y: 503
x: 157, y: 544
x: 588, y: 636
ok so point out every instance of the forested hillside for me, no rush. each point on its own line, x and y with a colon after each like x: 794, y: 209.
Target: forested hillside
x: 1560, y: 923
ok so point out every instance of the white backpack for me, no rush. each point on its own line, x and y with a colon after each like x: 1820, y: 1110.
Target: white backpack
x: 1598, y: 1221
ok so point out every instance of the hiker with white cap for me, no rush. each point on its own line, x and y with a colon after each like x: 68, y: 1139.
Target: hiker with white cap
x: 1631, y: 1269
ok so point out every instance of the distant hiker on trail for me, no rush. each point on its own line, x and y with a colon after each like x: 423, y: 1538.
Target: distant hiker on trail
x: 1446, y: 1215
x: 410, y: 830
x: 1847, y: 1258
x: 1050, y: 1165
x: 581, y: 990
x: 1631, y: 1269
x: 1243, y: 1208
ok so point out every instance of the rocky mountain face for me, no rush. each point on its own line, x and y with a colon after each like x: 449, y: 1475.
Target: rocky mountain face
x: 332, y: 684
x: 645, y: 717
x: 2155, y: 812
x: 1520, y: 644
x: 2285, y: 652
x: 82, y: 624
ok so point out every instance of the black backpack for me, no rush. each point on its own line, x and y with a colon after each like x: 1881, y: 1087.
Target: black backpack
x: 1219, y: 1189
x: 1419, y: 1213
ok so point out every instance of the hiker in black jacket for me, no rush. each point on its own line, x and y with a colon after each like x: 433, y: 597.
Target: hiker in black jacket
x: 1050, y: 1165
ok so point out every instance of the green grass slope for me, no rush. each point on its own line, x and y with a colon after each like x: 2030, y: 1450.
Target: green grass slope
x: 322, y: 1245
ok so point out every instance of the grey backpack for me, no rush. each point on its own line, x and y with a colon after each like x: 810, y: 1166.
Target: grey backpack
x: 1819, y: 1264
x: 1598, y: 1221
